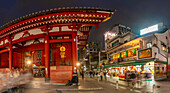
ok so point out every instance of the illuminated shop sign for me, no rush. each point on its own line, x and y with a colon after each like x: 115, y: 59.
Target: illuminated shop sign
x: 146, y: 53
x: 149, y: 29
x: 109, y: 35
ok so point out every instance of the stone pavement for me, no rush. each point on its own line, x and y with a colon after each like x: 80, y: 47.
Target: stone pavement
x: 144, y: 87
x: 87, y: 85
x: 93, y: 85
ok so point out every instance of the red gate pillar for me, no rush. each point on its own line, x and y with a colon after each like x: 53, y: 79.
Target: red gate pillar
x: 47, y: 58
x: 10, y: 53
x: 74, y: 51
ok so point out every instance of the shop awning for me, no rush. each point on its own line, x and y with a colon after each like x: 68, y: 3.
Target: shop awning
x: 133, y: 63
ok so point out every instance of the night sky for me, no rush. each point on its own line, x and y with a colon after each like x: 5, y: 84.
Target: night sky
x: 136, y: 14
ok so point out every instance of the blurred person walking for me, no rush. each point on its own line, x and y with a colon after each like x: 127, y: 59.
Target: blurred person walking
x: 82, y: 74
x: 90, y: 73
x: 101, y: 75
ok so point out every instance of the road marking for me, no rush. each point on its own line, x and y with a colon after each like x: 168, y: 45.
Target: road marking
x: 112, y: 84
x: 122, y: 87
x: 137, y: 91
x: 81, y: 89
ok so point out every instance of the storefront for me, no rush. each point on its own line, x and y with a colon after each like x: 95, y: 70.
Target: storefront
x: 153, y: 69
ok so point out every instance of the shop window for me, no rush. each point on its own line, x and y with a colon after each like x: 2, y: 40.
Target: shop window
x: 149, y: 45
x: 60, y: 54
x: 116, y: 56
x: 115, y: 43
x: 163, y: 46
x: 123, y: 54
x: 125, y: 41
x: 132, y: 52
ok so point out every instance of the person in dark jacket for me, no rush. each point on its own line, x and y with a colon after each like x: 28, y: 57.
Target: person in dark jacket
x: 82, y: 74
x: 74, y: 78
x: 90, y: 73
x: 105, y: 75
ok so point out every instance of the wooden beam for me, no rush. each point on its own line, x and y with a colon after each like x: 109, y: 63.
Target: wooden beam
x: 28, y: 38
x: 5, y: 50
x: 60, y: 40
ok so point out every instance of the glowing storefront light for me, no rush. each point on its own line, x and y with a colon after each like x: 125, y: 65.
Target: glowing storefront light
x: 109, y: 35
x: 149, y: 29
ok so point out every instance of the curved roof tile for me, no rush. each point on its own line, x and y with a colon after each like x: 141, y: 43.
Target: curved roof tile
x: 55, y: 10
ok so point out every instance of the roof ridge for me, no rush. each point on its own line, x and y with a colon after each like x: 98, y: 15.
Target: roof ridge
x: 50, y: 11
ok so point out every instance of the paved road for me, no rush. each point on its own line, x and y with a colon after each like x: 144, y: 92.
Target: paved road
x: 86, y: 86
x: 92, y: 85
x: 146, y: 86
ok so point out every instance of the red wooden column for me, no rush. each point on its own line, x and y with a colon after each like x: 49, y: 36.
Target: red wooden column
x: 74, y: 51
x: 31, y: 62
x: 47, y: 57
x: 22, y: 59
x: 10, y: 53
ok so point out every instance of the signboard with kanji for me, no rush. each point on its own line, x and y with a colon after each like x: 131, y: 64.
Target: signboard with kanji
x: 146, y: 53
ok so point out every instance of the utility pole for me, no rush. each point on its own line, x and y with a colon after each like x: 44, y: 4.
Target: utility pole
x: 89, y: 61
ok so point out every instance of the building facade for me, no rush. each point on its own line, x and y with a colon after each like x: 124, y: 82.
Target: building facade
x: 146, y: 54
x: 47, y: 41
x: 92, y: 53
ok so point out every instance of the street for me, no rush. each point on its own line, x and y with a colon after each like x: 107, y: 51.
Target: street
x: 93, y: 85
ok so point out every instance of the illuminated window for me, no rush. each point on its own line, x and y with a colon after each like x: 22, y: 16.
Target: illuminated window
x: 66, y: 37
x: 149, y: 45
x: 60, y: 37
x: 123, y: 54
x: 115, y: 57
x: 164, y: 48
x: 130, y: 53
x: 115, y: 43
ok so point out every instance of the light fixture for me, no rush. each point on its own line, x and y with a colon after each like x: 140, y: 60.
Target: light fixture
x: 78, y: 64
x: 28, y: 62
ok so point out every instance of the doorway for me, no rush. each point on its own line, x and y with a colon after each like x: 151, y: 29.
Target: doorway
x: 34, y: 61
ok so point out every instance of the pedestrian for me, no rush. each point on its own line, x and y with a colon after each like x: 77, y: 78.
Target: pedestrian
x: 93, y: 74
x: 82, y: 73
x: 101, y: 75
x: 146, y: 76
x: 105, y: 75
x: 90, y: 73
x: 96, y: 73
x: 74, y: 78
x: 133, y: 77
